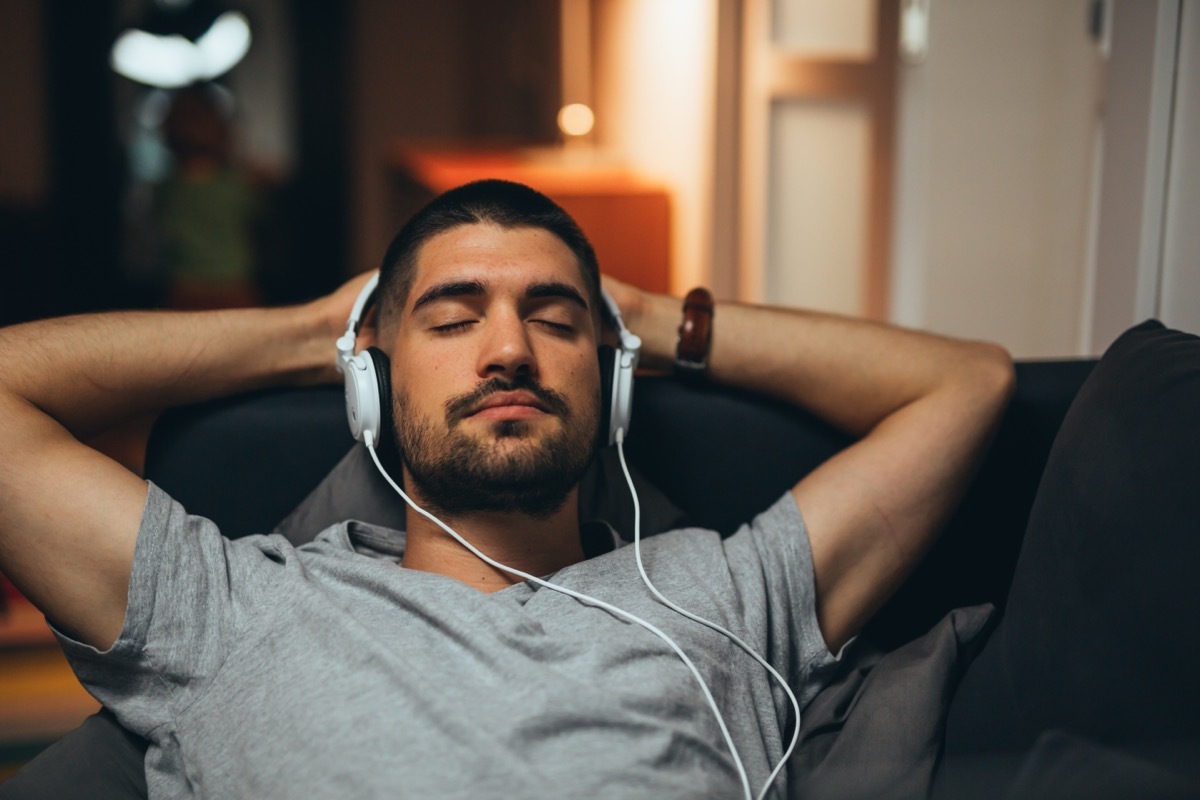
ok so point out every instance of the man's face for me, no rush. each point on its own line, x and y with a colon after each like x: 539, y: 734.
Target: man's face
x: 495, y: 372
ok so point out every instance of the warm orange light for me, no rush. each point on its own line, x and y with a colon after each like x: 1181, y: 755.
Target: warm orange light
x: 575, y: 119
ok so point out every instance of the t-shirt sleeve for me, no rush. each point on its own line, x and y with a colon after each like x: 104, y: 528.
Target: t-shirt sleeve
x: 772, y: 566
x: 189, y: 602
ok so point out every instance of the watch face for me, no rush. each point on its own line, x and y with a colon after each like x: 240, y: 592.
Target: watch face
x: 695, y: 332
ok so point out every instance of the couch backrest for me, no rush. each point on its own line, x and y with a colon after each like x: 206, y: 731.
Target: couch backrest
x: 720, y: 455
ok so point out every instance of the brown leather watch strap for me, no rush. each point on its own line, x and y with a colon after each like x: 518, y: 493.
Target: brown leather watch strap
x: 695, y: 332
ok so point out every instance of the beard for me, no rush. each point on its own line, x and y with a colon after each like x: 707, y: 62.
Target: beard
x: 509, y: 471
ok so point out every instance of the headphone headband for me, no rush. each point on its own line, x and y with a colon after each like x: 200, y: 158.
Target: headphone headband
x: 630, y: 342
x: 345, y: 343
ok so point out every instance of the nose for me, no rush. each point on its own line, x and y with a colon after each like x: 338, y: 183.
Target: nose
x: 507, y: 350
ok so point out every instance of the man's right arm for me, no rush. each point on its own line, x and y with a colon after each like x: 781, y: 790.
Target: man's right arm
x: 69, y: 516
x: 922, y: 408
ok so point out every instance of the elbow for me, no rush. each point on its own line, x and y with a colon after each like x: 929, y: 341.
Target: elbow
x: 993, y: 374
x: 1000, y: 363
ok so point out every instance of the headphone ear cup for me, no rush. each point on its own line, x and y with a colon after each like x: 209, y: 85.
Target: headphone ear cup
x: 383, y: 395
x: 608, y: 361
x: 368, y: 382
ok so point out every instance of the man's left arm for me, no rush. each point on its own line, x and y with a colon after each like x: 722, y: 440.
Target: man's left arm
x: 923, y: 406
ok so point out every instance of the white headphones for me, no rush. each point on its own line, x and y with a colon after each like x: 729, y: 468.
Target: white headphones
x: 368, y: 386
x: 617, y: 378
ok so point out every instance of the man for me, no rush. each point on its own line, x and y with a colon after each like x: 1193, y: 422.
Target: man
x: 410, y: 665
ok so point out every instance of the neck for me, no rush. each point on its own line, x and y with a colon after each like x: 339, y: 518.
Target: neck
x: 535, y: 545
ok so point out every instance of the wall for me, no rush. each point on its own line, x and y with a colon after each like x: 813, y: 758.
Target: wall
x: 405, y: 59
x: 444, y: 71
x: 993, y: 179
x: 655, y: 97
x: 1148, y: 245
x: 1180, y: 294
x: 263, y: 84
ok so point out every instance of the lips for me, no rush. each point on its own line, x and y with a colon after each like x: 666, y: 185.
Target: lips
x: 520, y: 396
x: 506, y: 400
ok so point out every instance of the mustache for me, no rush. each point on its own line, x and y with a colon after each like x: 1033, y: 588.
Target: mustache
x: 459, y: 406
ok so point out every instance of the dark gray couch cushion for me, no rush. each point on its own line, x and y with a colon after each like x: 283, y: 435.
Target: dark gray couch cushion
x: 1100, y: 634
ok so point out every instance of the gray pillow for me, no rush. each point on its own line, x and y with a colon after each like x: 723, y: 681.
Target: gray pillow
x: 354, y: 489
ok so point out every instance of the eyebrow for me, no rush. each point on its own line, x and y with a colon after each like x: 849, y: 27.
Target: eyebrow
x: 477, y: 289
x: 556, y: 289
x: 449, y: 289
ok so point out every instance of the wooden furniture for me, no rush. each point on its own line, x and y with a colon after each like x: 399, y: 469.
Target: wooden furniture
x: 626, y: 217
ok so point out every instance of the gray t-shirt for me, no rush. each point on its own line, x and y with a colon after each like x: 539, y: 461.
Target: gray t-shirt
x: 257, y: 669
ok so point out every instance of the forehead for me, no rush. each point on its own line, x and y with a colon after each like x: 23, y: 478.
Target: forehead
x: 499, y: 258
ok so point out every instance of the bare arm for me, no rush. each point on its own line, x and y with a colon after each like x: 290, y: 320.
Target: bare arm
x: 69, y: 516
x: 924, y: 406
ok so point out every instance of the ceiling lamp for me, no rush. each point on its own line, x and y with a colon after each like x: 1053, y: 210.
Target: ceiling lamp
x: 172, y: 61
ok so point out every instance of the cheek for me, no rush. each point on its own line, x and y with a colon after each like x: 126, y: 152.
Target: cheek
x: 585, y: 380
x: 423, y: 372
x: 415, y: 385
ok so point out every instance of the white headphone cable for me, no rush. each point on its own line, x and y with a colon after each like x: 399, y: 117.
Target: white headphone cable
x: 637, y: 551
x: 369, y: 441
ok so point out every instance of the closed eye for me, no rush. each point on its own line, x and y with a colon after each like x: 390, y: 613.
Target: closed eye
x: 557, y: 327
x: 451, y: 327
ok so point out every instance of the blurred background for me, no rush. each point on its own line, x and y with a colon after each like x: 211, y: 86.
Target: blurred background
x: 1019, y: 171
x: 1025, y: 172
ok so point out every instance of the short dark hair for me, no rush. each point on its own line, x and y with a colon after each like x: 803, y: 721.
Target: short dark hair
x: 503, y: 203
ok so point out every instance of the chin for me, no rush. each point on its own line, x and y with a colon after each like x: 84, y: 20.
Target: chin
x: 511, y: 428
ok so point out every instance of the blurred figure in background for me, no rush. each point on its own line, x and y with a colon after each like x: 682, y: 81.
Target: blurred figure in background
x: 206, y: 209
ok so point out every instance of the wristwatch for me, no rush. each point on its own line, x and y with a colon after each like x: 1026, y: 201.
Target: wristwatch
x: 695, y: 333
